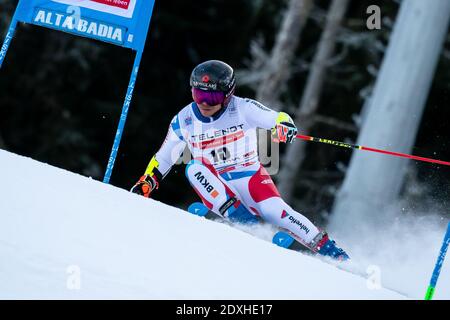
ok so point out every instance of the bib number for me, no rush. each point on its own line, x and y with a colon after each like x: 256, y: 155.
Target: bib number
x: 221, y: 154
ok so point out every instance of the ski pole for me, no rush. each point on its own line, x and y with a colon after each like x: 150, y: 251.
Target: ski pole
x: 438, y: 266
x: 354, y: 146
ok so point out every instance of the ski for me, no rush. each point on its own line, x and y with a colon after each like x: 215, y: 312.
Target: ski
x: 285, y: 240
x: 281, y: 238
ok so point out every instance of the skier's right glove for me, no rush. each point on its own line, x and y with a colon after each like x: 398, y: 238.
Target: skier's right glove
x: 285, y: 129
x: 145, y: 185
x: 286, y: 132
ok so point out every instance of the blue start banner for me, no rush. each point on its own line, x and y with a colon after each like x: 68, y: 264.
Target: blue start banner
x: 121, y: 22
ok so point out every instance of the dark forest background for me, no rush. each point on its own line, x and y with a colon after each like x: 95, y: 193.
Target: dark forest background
x: 61, y: 95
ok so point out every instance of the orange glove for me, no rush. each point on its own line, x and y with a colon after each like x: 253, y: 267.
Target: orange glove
x: 145, y: 185
x: 285, y: 129
x: 286, y: 132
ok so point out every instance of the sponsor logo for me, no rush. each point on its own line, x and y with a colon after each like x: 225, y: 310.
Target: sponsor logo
x: 206, y: 185
x: 267, y: 181
x: 188, y: 121
x: 249, y: 154
x: 217, y: 133
x: 218, y: 142
x: 85, y: 27
x: 284, y: 214
x: 232, y: 109
x: 232, y: 83
x: 247, y: 164
x: 205, y: 78
x: 5, y: 45
x: 122, y: 8
x: 259, y: 105
x: 301, y: 225
x: 124, y: 4
x: 206, y: 85
x: 335, y: 143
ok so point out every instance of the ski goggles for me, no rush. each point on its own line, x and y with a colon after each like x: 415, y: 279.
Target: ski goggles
x: 211, y: 98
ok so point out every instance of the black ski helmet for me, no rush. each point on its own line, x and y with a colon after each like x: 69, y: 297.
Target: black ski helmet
x: 214, y: 75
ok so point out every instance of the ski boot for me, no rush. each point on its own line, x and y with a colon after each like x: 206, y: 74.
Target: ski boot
x: 324, y: 246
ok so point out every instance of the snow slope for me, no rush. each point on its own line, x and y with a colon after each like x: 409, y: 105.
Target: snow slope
x: 65, y: 236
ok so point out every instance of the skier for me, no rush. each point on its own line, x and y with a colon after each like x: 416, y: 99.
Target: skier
x: 219, y: 129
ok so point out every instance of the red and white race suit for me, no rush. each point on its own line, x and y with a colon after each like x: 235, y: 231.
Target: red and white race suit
x: 225, y: 149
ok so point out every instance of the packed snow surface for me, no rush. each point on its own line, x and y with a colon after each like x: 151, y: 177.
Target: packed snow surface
x: 65, y: 236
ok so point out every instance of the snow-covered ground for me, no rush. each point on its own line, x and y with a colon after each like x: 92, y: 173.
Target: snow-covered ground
x: 403, y: 250
x: 66, y: 236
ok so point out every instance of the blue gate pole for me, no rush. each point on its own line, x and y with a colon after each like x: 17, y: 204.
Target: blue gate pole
x: 438, y: 266
x: 123, y: 117
x: 8, y: 40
